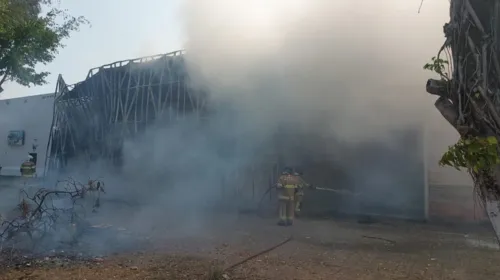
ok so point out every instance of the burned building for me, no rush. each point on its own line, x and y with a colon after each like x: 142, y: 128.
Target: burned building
x: 117, y: 101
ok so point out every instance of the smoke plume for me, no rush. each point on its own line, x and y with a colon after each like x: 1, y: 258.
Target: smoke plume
x: 352, y: 68
x: 332, y: 87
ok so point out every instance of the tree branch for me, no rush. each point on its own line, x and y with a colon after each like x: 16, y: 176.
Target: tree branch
x: 4, y: 78
x: 437, y: 87
x: 39, y: 218
x: 447, y: 110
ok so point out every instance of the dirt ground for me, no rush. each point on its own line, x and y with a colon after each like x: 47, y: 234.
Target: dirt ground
x: 319, y: 249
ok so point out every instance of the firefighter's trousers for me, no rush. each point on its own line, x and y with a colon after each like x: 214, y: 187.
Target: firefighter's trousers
x: 29, y: 180
x: 286, y: 201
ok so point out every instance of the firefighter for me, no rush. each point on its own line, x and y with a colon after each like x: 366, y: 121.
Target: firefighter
x: 28, y: 168
x: 299, y: 192
x: 287, y: 183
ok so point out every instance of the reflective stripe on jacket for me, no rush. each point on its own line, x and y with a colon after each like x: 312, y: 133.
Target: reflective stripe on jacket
x: 287, y: 184
x: 28, y: 169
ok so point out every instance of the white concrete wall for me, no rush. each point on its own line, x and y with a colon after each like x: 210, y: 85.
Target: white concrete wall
x: 33, y: 114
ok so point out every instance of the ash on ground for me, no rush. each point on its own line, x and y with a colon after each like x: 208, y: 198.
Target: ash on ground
x: 94, y: 244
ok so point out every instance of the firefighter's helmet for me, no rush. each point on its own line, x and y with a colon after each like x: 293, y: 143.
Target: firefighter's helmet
x: 297, y: 172
x: 287, y: 171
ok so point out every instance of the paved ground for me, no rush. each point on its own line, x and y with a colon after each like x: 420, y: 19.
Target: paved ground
x: 319, y: 250
x: 151, y: 246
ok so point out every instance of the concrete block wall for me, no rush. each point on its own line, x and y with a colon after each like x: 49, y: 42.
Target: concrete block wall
x: 452, y: 203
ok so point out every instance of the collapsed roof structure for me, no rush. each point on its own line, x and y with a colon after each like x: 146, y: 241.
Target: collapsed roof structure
x: 116, y: 101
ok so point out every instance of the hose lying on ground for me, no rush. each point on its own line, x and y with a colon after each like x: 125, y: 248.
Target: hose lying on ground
x: 258, y: 254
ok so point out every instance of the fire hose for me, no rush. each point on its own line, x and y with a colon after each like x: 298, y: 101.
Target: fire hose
x: 337, y: 191
x: 344, y: 192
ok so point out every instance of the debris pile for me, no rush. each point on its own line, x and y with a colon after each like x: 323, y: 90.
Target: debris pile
x: 50, y: 218
x: 22, y: 259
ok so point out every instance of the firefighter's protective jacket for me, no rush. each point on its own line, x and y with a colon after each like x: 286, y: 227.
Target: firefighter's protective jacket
x: 301, y: 184
x: 287, y: 184
x: 28, y: 169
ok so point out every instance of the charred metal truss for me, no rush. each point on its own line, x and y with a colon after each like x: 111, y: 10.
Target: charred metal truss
x: 117, y: 101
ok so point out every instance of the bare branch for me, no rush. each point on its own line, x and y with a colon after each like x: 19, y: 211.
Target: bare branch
x: 448, y: 110
x: 4, y: 78
x: 38, y: 217
x: 474, y: 16
x: 437, y: 87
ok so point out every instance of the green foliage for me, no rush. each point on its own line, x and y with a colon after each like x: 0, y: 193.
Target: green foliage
x: 29, y: 37
x: 476, y: 153
x: 438, y: 66
x: 473, y: 152
x: 3, y: 15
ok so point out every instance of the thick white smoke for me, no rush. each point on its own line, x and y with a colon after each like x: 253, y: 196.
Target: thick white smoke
x: 352, y: 68
x: 326, y: 78
x: 325, y: 85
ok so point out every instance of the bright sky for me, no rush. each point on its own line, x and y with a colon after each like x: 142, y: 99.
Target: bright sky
x: 121, y: 29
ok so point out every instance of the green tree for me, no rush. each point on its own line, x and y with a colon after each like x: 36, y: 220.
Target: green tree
x: 468, y: 93
x: 31, y: 33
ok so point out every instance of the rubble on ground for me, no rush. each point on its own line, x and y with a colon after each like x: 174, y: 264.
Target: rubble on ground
x: 21, y: 259
x: 45, y: 228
